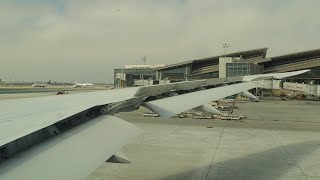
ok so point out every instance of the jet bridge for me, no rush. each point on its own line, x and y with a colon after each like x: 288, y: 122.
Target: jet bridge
x: 307, y: 89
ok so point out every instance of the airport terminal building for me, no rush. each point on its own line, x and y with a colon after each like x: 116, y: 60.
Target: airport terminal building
x: 243, y: 63
x: 233, y: 64
x: 135, y: 75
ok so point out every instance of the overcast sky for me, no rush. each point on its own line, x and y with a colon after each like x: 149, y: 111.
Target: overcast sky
x: 84, y: 40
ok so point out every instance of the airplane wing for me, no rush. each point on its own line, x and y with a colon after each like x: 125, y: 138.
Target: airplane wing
x: 166, y: 108
x: 74, y: 154
x: 20, y: 117
x: 67, y: 137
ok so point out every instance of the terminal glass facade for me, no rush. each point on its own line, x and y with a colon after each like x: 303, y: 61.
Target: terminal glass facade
x: 238, y: 69
x: 132, y: 74
x: 175, y: 74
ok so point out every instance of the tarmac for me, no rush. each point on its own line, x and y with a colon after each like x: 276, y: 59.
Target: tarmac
x: 279, y: 140
x: 14, y: 92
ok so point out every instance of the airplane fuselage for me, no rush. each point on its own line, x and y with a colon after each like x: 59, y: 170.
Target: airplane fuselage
x: 81, y: 85
x: 39, y: 85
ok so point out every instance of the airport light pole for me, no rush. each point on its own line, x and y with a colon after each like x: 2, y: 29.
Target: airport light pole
x: 225, y: 46
x: 144, y: 59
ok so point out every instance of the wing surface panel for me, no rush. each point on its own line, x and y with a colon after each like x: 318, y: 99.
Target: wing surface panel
x: 155, y: 89
x: 214, y: 81
x: 20, y: 117
x: 73, y: 154
x: 188, y: 85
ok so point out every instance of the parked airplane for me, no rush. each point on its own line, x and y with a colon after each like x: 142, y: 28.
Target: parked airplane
x: 41, y: 85
x: 68, y: 137
x: 81, y: 85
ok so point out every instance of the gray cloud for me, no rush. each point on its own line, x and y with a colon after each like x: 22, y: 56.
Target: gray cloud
x: 85, y: 40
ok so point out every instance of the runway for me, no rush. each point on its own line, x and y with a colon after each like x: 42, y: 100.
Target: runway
x: 13, y: 92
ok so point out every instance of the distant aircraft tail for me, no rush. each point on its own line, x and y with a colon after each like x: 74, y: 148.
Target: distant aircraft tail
x: 49, y: 82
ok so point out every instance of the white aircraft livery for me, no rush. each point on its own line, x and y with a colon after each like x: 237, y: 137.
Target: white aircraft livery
x: 41, y: 85
x: 81, y: 85
x: 68, y: 137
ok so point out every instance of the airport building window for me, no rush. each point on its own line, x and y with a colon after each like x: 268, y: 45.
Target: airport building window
x: 237, y: 69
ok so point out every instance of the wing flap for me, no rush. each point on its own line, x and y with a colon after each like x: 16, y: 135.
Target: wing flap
x: 189, y: 85
x: 73, y: 154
